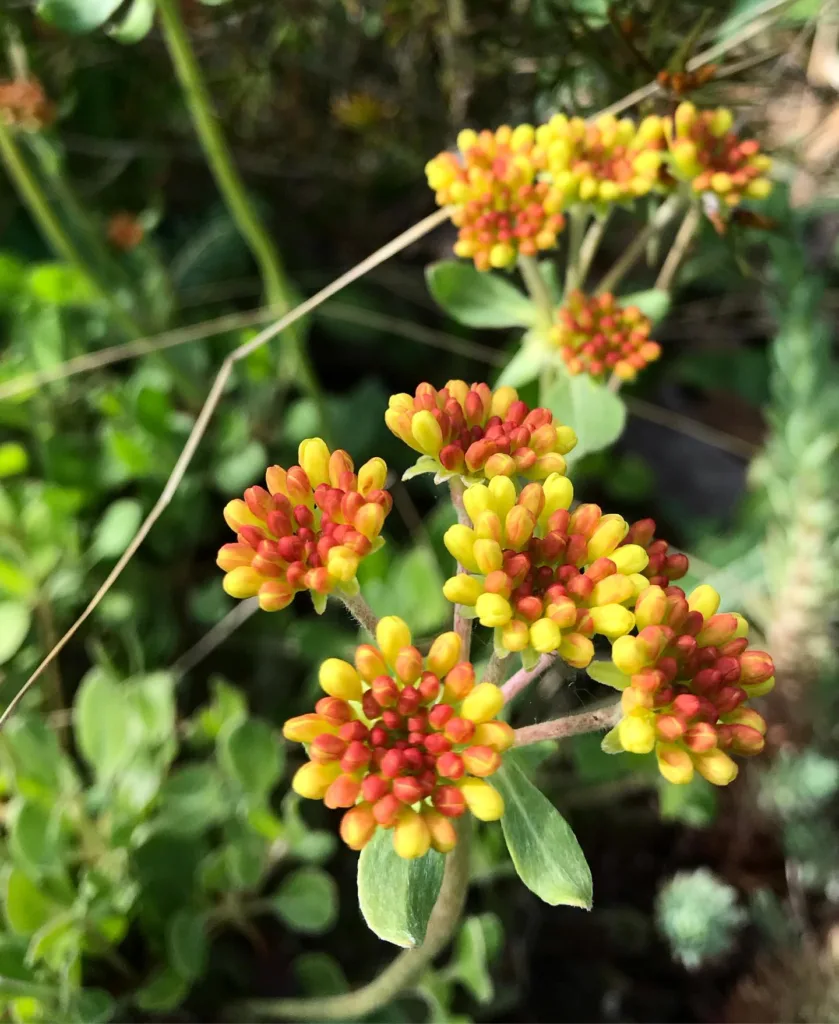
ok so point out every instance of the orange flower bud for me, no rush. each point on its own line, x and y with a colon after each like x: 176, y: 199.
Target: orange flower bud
x: 312, y: 780
x: 442, y: 831
x: 498, y: 735
x: 481, y: 760
x: 408, y: 664
x: 343, y: 792
x: 304, y: 728
x: 459, y: 683
x: 358, y: 826
x: 674, y: 763
x: 577, y: 650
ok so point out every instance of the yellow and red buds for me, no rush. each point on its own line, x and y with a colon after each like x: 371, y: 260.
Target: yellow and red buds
x: 308, y: 531
x: 662, y: 568
x: 688, y: 676
x: 403, y: 742
x: 24, y: 105
x: 706, y: 153
x: 477, y: 433
x: 499, y: 206
x: 597, y: 336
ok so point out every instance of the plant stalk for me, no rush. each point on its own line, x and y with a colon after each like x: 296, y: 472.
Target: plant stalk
x: 681, y: 244
x: 589, y: 247
x: 661, y: 218
x: 361, y: 612
x: 537, y: 289
x: 576, y: 229
x: 401, y: 973
x: 570, y: 725
x: 525, y: 676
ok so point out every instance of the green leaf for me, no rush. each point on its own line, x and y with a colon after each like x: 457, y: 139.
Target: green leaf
x: 33, y: 835
x: 116, y: 528
x: 397, y: 896
x: 14, y: 581
x: 597, y: 414
x: 307, y: 900
x: 93, y: 1006
x: 40, y: 769
x: 27, y: 908
x: 319, y: 974
x: 654, y: 303
x: 544, y: 850
x: 417, y: 577
x: 250, y: 754
x: 478, y: 299
x: 473, y: 954
x: 192, y: 800
x: 107, y: 727
x: 136, y: 24
x: 608, y: 673
x: 525, y: 365
x: 240, y: 469
x: 611, y: 743
x: 15, y: 620
x: 164, y: 992
x: 13, y: 459
x: 186, y: 944
x: 57, y: 284
x: 57, y: 941
x: 76, y: 16
x: 153, y: 699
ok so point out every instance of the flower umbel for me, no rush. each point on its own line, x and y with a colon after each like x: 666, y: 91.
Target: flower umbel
x: 403, y: 742
x: 308, y: 531
x: 477, y: 433
x: 688, y: 674
x: 498, y: 205
x: 544, y: 578
x: 597, y: 336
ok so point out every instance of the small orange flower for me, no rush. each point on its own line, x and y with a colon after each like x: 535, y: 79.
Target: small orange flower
x: 125, y: 231
x: 24, y: 104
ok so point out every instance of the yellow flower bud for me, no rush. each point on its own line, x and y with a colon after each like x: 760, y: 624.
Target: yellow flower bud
x: 606, y: 537
x: 545, y: 636
x: 759, y: 188
x: 369, y: 520
x: 392, y: 634
x: 721, y: 182
x: 577, y: 650
x: 493, y: 610
x: 372, y: 476
x: 721, y: 122
x: 759, y: 689
x: 411, y: 835
x: 463, y: 589
x: 613, y: 590
x: 650, y: 608
x: 426, y: 432
x: 502, y: 399
x: 488, y: 526
x: 483, y: 703
x: 559, y: 493
x: 342, y: 563
x: 466, y: 139
x: 674, y: 763
x: 237, y: 513
x: 339, y: 679
x: 498, y: 735
x: 637, y: 733
x: 515, y: 636
x: 705, y: 600
x: 460, y: 542
x: 608, y: 191
x: 482, y: 799
x: 312, y: 779
x: 488, y: 555
x: 444, y: 654
x: 304, y: 728
x: 242, y: 582
x: 630, y: 558
x: 476, y: 499
x: 313, y: 456
x: 612, y: 620
x: 716, y: 766
x: 502, y: 495
x: 566, y: 439
x: 441, y: 829
x: 501, y: 255
x: 628, y: 655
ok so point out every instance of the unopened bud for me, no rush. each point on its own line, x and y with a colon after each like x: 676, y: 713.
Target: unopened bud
x: 392, y: 634
x: 444, y: 654
x: 482, y: 799
x: 372, y: 476
x: 442, y: 831
x: 717, y: 767
x: 357, y: 827
x: 339, y: 679
x: 312, y: 779
x: 674, y: 763
x: 483, y: 703
x: 493, y: 610
x: 304, y: 728
x: 411, y: 835
x: 313, y: 456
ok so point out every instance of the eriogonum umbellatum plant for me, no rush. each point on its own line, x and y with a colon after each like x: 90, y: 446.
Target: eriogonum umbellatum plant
x: 411, y: 739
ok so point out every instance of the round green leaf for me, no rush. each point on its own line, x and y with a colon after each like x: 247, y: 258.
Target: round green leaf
x: 186, y: 944
x: 250, y: 753
x: 597, y: 414
x: 13, y: 459
x: 608, y: 673
x: 397, y: 896
x: 116, y: 528
x: 319, y: 974
x: 525, y: 365
x: 34, y: 834
x: 544, y: 850
x: 27, y: 908
x: 307, y: 900
x: 76, y: 16
x: 165, y: 991
x: 15, y: 620
x: 107, y: 726
x: 478, y: 299
x: 14, y: 581
x: 93, y: 1006
x: 192, y: 800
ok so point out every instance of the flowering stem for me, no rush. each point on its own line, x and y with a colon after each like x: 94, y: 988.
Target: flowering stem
x: 525, y: 676
x: 494, y: 671
x: 663, y: 215
x: 589, y: 247
x: 401, y: 973
x: 570, y: 725
x: 576, y: 228
x: 537, y: 289
x: 207, y: 126
x: 681, y: 243
x: 462, y: 624
x: 360, y: 611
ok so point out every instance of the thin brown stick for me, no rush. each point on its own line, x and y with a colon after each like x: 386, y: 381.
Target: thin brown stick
x: 570, y: 725
x: 691, y: 428
x: 681, y: 244
x: 215, y: 636
x: 390, y: 249
x: 524, y: 677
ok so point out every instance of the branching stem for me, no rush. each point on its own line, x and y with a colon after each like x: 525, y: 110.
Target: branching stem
x: 570, y: 725
x: 525, y: 676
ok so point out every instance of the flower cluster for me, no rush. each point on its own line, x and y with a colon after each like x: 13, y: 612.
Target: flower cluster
x: 308, y: 531
x: 403, y: 742
x: 601, y: 163
x: 707, y: 153
x: 686, y: 677
x: 24, y: 104
x: 125, y: 231
x: 477, y: 433
x: 663, y: 568
x: 544, y: 578
x: 500, y: 208
x: 597, y: 336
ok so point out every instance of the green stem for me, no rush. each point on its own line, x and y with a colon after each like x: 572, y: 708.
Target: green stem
x: 401, y: 973
x: 207, y: 126
x: 576, y: 230
x: 663, y: 215
x: 538, y: 290
x: 681, y: 244
x: 53, y: 231
x: 589, y: 247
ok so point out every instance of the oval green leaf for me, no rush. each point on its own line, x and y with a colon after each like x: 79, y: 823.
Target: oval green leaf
x: 544, y: 850
x: 15, y: 619
x: 186, y: 944
x: 76, y: 16
x: 397, y: 896
x: 597, y: 414
x: 249, y: 753
x: 307, y: 900
x: 478, y: 299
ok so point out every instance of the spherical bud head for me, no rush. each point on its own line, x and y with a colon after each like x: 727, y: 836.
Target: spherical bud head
x: 450, y: 766
x: 429, y: 688
x: 459, y: 730
x: 372, y: 476
x: 481, y: 761
x: 369, y: 520
x: 519, y: 526
x: 488, y: 556
x: 576, y: 650
x: 606, y: 537
x: 386, y: 810
x: 460, y: 541
x: 339, y: 679
x: 343, y: 792
x: 459, y: 684
x: 630, y: 559
x: 408, y: 789
x: 327, y: 747
x: 650, y: 607
x: 674, y: 763
x: 449, y: 801
x: 393, y: 764
x: 545, y: 636
x: 716, y: 766
x: 705, y: 600
x: 612, y: 620
x: 482, y: 799
x: 312, y: 780
x: 483, y: 703
x: 392, y: 634
x: 411, y: 835
x: 342, y: 563
x: 515, y: 636
x: 304, y: 728
x: 498, y: 736
x: 493, y: 610
x: 242, y: 582
x: 408, y: 665
x: 628, y: 655
x: 614, y: 589
x: 444, y: 654
x: 463, y: 589
x: 701, y: 737
x: 426, y: 432
x: 358, y: 826
x: 442, y: 831
x: 313, y: 456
